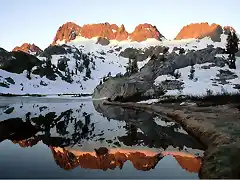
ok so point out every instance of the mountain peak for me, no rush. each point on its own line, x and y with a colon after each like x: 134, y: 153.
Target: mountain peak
x: 28, y: 48
x: 144, y: 31
x: 201, y: 30
x: 69, y: 31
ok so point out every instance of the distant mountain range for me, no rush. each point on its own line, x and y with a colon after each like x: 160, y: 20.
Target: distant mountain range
x: 106, y: 32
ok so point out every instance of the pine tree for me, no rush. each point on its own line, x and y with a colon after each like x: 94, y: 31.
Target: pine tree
x: 29, y: 73
x: 76, y: 67
x: 232, y: 48
x: 134, y: 66
x: 81, y: 68
x: 192, y: 71
x: 68, y: 76
x: 88, y: 73
x: 128, y: 67
x: 109, y: 74
x: 235, y: 42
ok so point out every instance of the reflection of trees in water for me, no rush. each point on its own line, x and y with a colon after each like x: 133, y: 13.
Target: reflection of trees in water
x: 151, y: 135
x: 17, y: 129
x: 131, y: 132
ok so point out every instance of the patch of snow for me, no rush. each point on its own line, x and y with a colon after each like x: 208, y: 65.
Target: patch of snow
x: 149, y: 101
x: 159, y: 79
x: 61, y: 42
x: 187, y: 104
x: 143, y: 63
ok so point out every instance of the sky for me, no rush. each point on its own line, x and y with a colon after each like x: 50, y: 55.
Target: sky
x: 37, y: 21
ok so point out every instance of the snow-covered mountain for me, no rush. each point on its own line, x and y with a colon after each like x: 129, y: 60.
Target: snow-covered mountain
x: 78, y: 66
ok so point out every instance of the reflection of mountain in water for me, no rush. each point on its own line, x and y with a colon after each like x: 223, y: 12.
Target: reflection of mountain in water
x: 67, y: 126
x: 142, y: 160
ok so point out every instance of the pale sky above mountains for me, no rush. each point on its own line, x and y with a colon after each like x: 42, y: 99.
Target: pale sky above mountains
x: 37, y: 22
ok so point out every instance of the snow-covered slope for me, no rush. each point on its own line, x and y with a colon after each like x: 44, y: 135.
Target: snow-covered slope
x: 103, y: 61
x: 205, y: 80
x: 100, y: 64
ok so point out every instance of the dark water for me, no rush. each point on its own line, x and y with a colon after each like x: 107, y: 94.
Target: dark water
x: 56, y: 138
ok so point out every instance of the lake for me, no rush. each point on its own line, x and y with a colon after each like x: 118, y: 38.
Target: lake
x: 79, y: 138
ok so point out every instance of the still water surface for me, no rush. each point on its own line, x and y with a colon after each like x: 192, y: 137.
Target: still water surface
x: 75, y: 138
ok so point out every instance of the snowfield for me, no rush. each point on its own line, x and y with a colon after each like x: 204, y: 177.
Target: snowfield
x: 204, y: 80
x: 106, y: 60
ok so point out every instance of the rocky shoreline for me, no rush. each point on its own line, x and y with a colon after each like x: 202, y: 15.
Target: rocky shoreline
x: 216, y: 127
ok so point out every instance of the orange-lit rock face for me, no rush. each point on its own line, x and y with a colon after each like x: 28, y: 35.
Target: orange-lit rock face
x: 68, y: 159
x: 121, y: 33
x: 227, y: 29
x: 26, y: 143
x: 143, y: 160
x: 191, y: 164
x: 145, y: 31
x: 28, y: 48
x: 67, y: 32
x: 200, y: 30
x: 64, y: 159
x: 103, y: 30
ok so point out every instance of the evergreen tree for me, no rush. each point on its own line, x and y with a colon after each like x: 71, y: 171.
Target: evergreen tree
x: 232, y: 48
x: 48, y: 63
x: 76, y: 67
x: 192, y: 71
x: 86, y: 62
x: 68, y: 75
x: 88, y: 73
x: 29, y: 73
x: 235, y: 42
x: 81, y: 67
x: 132, y: 66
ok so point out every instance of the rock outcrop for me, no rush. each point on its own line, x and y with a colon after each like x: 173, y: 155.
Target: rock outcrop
x: 69, y: 31
x: 105, y: 30
x: 227, y: 29
x: 28, y: 48
x: 103, y: 41
x: 140, y: 85
x: 121, y: 34
x: 142, y: 54
x: 201, y: 30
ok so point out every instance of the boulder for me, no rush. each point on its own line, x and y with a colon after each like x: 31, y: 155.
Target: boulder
x: 103, y: 41
x: 142, y: 54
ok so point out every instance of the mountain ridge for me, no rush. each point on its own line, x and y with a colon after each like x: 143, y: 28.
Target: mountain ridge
x: 70, y: 30
x: 106, y: 32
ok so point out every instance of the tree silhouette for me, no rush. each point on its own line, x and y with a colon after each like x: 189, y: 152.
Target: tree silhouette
x: 132, y: 66
x: 232, y: 48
